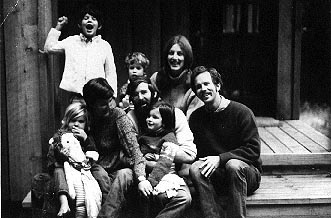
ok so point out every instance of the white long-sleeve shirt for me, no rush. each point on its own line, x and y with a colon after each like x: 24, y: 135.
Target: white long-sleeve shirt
x: 84, y: 60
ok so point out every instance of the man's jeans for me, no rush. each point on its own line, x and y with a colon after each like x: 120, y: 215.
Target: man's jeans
x: 104, y: 180
x: 121, y: 182
x: 237, y: 179
x: 161, y: 206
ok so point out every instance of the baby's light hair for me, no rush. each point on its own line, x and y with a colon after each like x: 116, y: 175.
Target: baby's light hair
x: 137, y: 58
x: 73, y: 111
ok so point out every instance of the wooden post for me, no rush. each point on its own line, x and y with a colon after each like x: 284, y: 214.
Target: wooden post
x: 329, y: 6
x: 46, y: 87
x: 285, y: 61
x: 298, y: 7
x: 3, y: 116
x: 22, y: 89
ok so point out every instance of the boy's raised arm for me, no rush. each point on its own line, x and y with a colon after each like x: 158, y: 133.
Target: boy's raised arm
x: 52, y: 44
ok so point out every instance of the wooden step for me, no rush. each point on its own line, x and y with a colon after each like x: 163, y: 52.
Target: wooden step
x: 292, y: 196
x: 293, y: 189
x: 292, y: 143
x: 297, y: 196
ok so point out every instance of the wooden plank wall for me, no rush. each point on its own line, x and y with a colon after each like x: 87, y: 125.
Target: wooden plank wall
x: 23, y: 103
x: 3, y: 116
x: 46, y: 78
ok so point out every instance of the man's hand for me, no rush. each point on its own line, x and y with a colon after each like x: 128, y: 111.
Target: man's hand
x: 61, y: 21
x: 145, y: 188
x: 80, y: 134
x: 209, y: 165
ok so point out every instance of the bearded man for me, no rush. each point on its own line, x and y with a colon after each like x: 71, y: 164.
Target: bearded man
x: 143, y: 97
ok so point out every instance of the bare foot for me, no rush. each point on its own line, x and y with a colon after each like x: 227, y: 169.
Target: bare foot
x: 64, y: 206
x: 63, y: 210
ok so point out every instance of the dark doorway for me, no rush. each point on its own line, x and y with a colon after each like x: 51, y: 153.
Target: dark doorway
x: 239, y: 38
x: 316, y: 53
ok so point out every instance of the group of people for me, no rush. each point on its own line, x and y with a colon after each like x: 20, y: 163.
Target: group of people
x: 145, y: 144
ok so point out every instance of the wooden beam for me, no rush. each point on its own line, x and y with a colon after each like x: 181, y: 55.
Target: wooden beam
x: 285, y: 61
x: 289, y: 211
x: 292, y: 189
x: 3, y: 115
x: 329, y: 6
x: 298, y: 8
x: 23, y: 103
x: 290, y: 159
x: 46, y: 90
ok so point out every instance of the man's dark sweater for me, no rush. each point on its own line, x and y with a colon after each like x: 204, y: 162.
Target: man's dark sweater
x: 230, y: 133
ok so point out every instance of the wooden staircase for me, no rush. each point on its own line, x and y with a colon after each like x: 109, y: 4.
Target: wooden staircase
x: 296, y: 182
x: 297, y: 164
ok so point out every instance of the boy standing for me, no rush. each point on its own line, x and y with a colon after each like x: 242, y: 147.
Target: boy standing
x: 87, y: 56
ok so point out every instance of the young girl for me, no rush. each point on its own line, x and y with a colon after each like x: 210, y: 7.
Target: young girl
x: 159, y: 146
x: 64, y: 152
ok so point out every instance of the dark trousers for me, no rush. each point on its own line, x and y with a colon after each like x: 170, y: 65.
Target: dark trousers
x: 236, y: 179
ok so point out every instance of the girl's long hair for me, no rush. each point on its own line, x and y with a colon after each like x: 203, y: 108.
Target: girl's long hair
x: 167, y: 113
x: 73, y: 111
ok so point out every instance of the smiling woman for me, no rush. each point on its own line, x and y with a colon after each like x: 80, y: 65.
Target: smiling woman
x: 173, y: 81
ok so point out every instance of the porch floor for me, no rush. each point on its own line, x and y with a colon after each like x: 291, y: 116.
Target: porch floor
x: 292, y: 142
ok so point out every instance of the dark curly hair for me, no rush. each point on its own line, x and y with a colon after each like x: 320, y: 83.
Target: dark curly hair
x: 91, y: 10
x: 135, y: 83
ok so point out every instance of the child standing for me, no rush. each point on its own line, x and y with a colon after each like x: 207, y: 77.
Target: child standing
x: 136, y: 63
x: 87, y: 56
x: 80, y: 183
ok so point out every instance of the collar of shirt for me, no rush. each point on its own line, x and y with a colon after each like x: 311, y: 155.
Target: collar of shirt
x: 94, y: 38
x: 223, y: 104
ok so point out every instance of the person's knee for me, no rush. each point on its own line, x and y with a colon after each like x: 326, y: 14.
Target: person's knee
x: 183, y: 197
x: 125, y: 175
x: 235, y: 167
x: 195, y: 171
x: 99, y: 173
